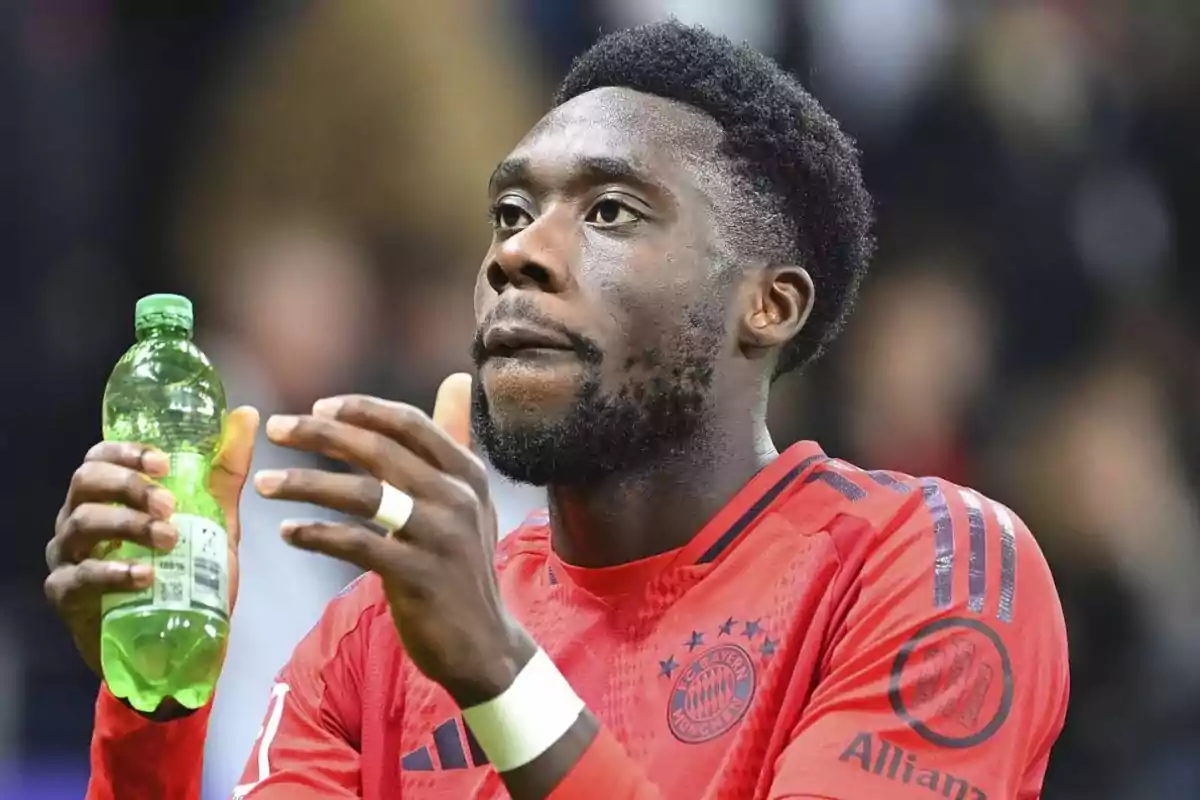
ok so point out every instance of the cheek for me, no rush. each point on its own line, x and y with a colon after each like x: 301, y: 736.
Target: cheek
x: 633, y: 285
x: 638, y: 274
x: 655, y: 312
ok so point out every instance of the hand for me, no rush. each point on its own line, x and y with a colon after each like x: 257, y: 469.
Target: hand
x: 123, y: 473
x: 438, y: 572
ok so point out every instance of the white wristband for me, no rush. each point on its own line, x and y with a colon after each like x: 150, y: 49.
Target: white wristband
x: 528, y: 717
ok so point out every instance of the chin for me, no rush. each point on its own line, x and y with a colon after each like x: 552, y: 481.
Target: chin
x: 520, y: 392
x: 528, y: 424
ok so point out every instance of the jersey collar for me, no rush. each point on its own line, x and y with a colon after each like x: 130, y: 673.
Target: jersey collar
x: 714, y: 541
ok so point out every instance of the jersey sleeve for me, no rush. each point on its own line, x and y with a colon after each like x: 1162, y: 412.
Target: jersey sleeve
x: 949, y: 674
x: 133, y: 758
x: 308, y: 745
x: 306, y: 749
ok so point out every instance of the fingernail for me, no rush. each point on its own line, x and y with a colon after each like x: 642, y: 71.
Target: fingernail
x: 163, y: 536
x: 280, y: 425
x: 327, y: 407
x: 161, y: 503
x: 268, y: 481
x: 288, y: 528
x: 156, y: 463
x: 140, y: 573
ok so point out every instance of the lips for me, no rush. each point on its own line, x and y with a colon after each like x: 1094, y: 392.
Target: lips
x: 507, y: 339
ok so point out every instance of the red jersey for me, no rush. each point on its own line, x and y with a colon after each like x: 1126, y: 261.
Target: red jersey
x: 832, y: 633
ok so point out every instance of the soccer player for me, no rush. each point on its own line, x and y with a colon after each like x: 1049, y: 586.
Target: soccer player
x: 696, y: 615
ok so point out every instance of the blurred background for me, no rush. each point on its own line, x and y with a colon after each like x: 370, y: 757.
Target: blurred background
x: 313, y: 175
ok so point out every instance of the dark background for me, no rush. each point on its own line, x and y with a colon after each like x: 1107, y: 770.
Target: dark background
x: 313, y: 175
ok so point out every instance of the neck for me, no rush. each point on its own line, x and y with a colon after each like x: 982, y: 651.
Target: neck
x: 659, y: 506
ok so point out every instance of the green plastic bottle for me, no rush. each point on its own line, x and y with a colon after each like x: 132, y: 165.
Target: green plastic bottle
x: 169, y: 640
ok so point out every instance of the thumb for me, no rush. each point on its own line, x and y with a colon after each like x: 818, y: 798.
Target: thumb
x: 452, y: 409
x: 232, y: 464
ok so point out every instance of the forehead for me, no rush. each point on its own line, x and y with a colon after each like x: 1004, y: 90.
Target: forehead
x: 665, y: 140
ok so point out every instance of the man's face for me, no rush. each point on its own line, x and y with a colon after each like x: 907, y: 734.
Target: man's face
x: 601, y: 305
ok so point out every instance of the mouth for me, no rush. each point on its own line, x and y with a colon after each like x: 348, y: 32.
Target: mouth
x: 515, y: 340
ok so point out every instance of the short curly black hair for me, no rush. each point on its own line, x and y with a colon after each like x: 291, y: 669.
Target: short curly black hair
x: 800, y: 166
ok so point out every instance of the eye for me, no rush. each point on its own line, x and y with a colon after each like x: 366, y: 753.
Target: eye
x: 509, y: 217
x: 609, y: 212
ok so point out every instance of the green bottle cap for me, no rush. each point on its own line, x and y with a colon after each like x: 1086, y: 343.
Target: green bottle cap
x: 163, y: 311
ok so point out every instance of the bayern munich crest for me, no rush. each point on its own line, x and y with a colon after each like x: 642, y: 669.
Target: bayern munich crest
x: 711, y: 694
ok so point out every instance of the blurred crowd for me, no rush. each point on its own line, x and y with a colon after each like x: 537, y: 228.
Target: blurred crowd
x: 313, y: 175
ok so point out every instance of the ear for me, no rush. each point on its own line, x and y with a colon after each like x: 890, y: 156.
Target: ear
x: 775, y: 304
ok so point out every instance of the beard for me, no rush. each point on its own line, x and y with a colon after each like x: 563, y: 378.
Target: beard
x: 659, y: 407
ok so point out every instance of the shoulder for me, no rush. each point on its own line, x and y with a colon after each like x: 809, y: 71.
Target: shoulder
x: 975, y: 551
x: 897, y: 527
x: 344, y: 624
x: 946, y: 647
x: 360, y: 598
x: 929, y: 548
x: 530, y: 539
x: 947, y: 560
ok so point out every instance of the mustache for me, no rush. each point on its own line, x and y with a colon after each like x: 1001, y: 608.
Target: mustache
x: 524, y: 311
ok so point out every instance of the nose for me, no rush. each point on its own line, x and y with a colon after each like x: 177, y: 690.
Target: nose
x: 535, y: 259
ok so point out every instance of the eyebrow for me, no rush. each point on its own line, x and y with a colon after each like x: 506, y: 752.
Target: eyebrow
x: 586, y: 171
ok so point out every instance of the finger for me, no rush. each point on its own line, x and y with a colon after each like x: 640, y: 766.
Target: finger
x: 139, y: 457
x: 338, y: 440
x: 232, y: 462
x: 357, y: 495
x: 350, y: 543
x: 76, y: 583
x: 107, y: 482
x: 374, y: 452
x: 92, y: 523
x: 452, y: 409
x: 412, y: 428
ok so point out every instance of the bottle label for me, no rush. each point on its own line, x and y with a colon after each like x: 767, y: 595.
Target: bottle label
x: 195, y: 574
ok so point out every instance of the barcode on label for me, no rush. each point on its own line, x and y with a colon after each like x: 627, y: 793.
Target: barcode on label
x: 171, y: 592
x: 171, y: 576
x: 207, y: 574
x: 207, y: 563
